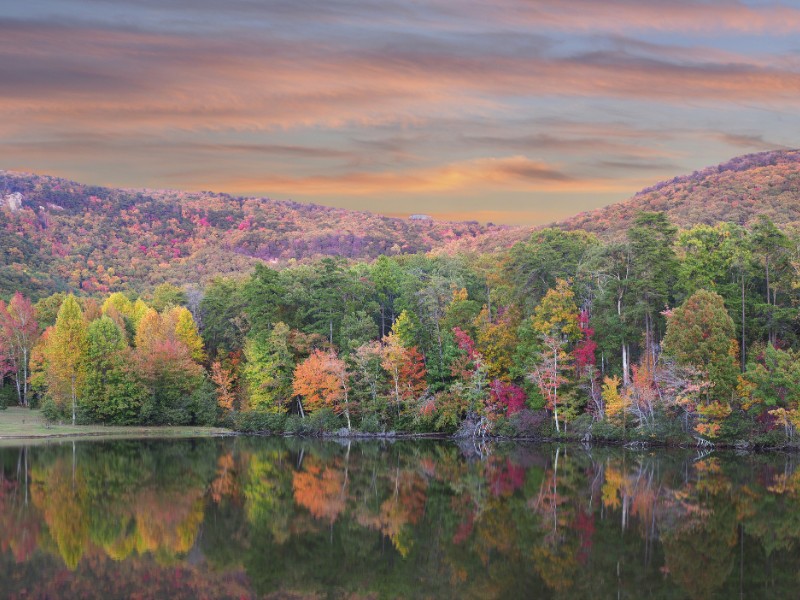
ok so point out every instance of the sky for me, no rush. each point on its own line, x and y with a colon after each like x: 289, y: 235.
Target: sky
x: 504, y: 111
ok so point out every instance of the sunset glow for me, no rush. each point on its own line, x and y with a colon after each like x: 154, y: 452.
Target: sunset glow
x: 512, y: 111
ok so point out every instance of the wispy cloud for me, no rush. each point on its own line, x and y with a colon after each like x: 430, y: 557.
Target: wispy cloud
x: 340, y: 98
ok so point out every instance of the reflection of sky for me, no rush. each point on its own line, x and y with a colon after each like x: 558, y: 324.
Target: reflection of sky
x: 509, y: 110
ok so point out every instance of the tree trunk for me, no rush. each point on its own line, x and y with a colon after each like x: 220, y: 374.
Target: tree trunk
x: 626, y: 377
x: 555, y: 389
x: 24, y: 377
x: 744, y: 348
x: 20, y: 398
x: 73, y: 400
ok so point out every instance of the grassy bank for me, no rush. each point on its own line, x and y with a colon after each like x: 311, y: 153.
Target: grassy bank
x: 21, y: 423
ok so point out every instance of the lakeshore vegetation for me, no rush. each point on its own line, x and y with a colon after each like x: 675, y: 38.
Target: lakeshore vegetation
x: 686, y: 336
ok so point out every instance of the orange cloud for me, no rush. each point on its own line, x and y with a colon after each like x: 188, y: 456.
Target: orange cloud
x: 509, y: 173
x: 120, y: 82
x: 371, y: 99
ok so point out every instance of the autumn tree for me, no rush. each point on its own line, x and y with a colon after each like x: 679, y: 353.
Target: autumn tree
x: 171, y: 376
x: 224, y: 378
x: 186, y: 331
x: 615, y: 402
x: 496, y: 339
x: 556, y: 321
x: 18, y: 335
x: 66, y: 355
x: 405, y: 368
x: 323, y: 380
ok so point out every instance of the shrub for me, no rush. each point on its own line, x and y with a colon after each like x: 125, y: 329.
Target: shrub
x: 532, y: 423
x: 324, y: 420
x: 51, y: 411
x: 607, y: 430
x: 370, y: 424
x: 737, y: 427
x: 295, y: 425
x: 7, y: 397
x: 771, y: 439
x: 581, y: 425
x: 259, y: 422
x: 504, y: 427
x: 201, y: 407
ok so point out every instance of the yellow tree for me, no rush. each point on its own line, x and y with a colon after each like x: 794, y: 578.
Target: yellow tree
x: 66, y: 354
x: 556, y: 321
x: 615, y: 404
x: 393, y: 358
x: 496, y: 340
x: 149, y: 330
x: 186, y: 330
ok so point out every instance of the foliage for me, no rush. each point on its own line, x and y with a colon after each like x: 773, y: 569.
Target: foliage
x: 700, y: 334
x: 425, y: 342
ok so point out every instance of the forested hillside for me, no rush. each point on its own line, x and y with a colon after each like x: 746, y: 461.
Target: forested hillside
x: 61, y: 235
x: 686, y: 336
x: 767, y: 183
x: 58, y: 235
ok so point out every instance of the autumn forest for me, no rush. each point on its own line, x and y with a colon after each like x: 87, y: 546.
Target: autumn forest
x: 669, y: 336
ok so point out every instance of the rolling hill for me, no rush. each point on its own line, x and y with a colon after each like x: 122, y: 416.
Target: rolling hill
x: 736, y: 191
x: 56, y: 234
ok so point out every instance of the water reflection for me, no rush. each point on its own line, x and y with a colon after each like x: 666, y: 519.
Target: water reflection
x: 241, y: 518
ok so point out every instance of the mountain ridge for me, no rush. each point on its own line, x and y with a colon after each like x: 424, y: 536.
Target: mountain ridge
x: 56, y: 234
x: 62, y: 234
x: 727, y: 192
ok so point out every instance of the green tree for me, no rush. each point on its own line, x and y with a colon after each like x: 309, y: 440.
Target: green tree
x: 534, y: 266
x: 357, y: 329
x: 770, y: 248
x: 264, y: 295
x: 774, y: 378
x: 386, y: 276
x: 268, y: 370
x: 654, y: 271
x: 700, y: 334
x: 112, y: 393
x: 222, y: 317
x: 168, y: 295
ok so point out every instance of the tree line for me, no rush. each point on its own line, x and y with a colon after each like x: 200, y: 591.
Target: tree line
x: 667, y: 333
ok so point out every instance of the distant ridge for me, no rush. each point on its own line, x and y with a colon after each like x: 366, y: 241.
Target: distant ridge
x: 57, y: 234
x: 737, y: 191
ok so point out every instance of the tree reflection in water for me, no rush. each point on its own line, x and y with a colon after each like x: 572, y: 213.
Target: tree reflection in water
x: 253, y: 517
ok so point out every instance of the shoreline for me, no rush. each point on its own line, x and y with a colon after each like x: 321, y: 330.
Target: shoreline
x: 18, y: 424
x: 743, y: 446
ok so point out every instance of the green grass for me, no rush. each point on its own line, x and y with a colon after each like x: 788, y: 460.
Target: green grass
x: 22, y: 423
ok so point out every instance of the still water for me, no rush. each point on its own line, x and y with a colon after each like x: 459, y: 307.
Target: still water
x: 275, y: 518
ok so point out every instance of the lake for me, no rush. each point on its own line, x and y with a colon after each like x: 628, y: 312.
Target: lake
x: 292, y: 518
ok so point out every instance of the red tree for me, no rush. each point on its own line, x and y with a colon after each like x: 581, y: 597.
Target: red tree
x: 18, y: 333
